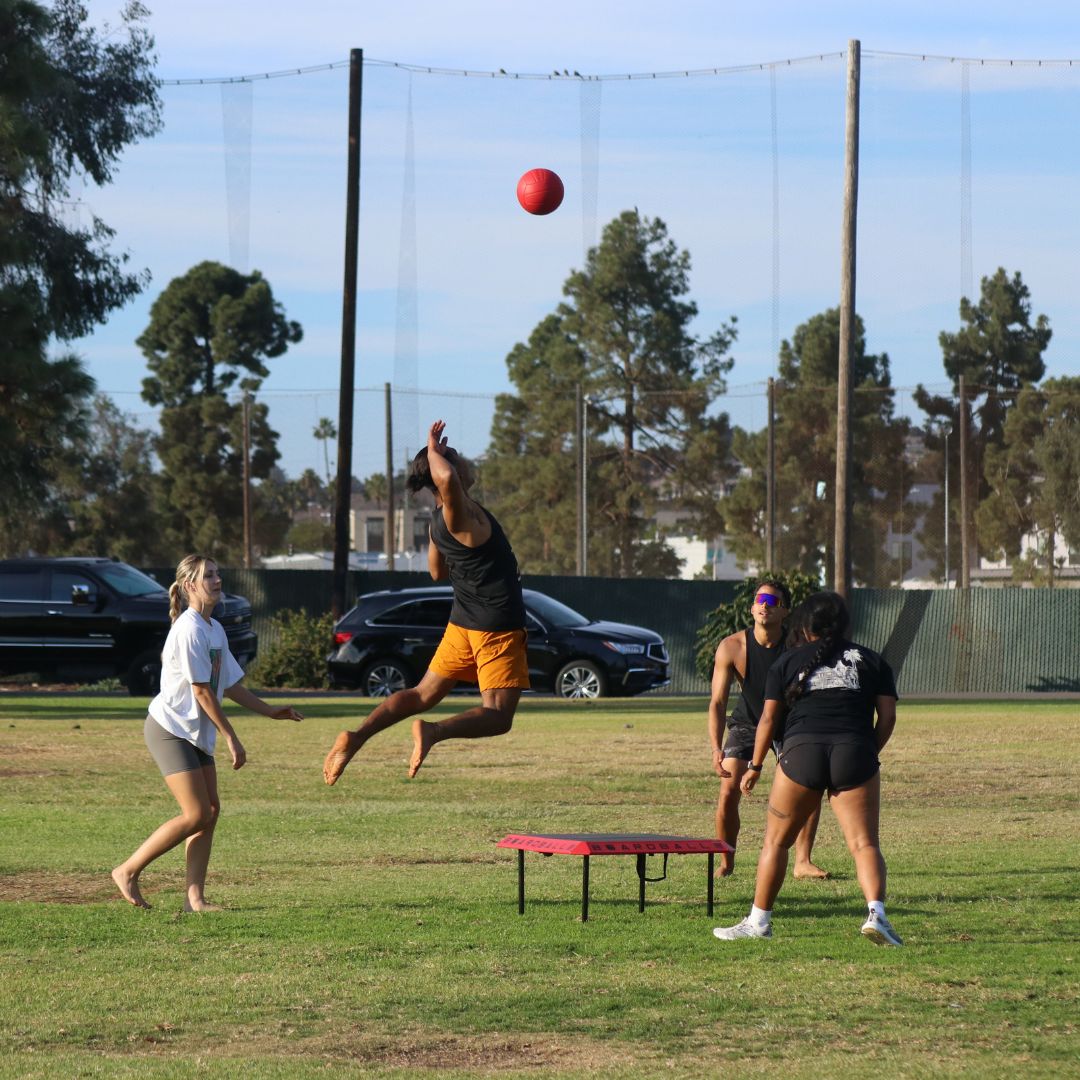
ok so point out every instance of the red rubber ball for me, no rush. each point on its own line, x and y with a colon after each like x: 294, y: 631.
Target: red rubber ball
x: 540, y: 191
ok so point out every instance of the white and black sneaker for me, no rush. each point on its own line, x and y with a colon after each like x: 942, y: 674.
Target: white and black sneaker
x: 744, y: 929
x: 880, y: 931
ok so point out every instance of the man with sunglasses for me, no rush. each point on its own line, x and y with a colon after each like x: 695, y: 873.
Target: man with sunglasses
x: 747, y: 656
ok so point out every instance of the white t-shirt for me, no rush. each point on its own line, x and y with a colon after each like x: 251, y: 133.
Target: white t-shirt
x: 196, y: 651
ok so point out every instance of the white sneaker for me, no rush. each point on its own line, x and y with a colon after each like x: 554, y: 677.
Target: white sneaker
x: 880, y: 931
x: 744, y: 929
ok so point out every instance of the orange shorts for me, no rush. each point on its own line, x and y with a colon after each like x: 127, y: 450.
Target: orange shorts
x: 495, y: 659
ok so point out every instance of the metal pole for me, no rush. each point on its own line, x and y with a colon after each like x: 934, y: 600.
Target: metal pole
x: 343, y: 499
x: 247, y: 480
x: 585, y: 486
x: 842, y: 520
x: 965, y: 494
x: 948, y: 431
x: 579, y: 433
x: 390, y: 530
x: 770, y: 484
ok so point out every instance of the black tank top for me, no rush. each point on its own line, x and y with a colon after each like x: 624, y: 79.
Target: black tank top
x: 758, y: 661
x: 486, y: 581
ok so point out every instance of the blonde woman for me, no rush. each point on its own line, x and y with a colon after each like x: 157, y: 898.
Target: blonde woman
x: 182, y: 726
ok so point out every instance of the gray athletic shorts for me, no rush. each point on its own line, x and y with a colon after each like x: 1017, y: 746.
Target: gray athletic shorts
x: 740, y: 738
x: 172, y: 753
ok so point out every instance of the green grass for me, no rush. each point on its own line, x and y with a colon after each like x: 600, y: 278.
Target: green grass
x: 372, y: 928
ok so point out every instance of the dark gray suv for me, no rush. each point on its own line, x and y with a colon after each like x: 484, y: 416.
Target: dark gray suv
x: 85, y: 619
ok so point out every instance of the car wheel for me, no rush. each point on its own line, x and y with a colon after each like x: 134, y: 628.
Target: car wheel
x: 143, y: 678
x: 580, y: 679
x: 385, y: 677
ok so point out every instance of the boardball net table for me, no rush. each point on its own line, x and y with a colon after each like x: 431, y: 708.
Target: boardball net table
x: 588, y: 844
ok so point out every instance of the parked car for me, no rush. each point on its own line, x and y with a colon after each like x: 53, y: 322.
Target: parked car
x: 386, y: 641
x: 85, y: 619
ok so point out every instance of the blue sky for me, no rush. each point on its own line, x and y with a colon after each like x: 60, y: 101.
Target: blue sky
x: 453, y: 273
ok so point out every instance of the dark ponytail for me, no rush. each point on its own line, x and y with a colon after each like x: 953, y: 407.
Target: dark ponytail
x: 824, y: 616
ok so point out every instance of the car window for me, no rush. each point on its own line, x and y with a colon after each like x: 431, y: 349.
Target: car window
x: 62, y: 582
x: 20, y: 584
x: 126, y: 580
x: 552, y: 612
x: 430, y: 613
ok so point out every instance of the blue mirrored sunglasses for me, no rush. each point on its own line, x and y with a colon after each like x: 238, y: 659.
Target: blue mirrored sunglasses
x: 767, y: 598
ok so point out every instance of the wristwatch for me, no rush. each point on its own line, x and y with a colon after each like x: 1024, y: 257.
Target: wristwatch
x: 755, y: 768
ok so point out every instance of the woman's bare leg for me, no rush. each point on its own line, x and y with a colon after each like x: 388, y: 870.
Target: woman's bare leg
x: 189, y: 790
x: 790, y: 805
x: 198, y: 849
x: 858, y: 811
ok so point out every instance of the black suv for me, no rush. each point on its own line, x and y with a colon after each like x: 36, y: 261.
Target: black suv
x: 86, y: 619
x: 386, y: 641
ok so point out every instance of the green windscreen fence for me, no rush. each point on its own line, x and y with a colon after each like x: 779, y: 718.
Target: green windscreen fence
x: 978, y: 641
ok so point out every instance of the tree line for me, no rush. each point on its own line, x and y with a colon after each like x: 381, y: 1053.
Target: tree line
x: 614, y: 379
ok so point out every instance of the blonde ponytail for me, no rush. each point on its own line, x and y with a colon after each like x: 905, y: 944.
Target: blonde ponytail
x: 189, y: 570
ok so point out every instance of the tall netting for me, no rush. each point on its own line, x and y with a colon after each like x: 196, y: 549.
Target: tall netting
x: 965, y: 166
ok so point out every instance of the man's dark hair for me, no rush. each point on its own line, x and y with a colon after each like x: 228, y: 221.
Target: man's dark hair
x: 419, y: 476
x: 779, y: 586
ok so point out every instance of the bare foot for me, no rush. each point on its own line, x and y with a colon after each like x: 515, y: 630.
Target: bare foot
x: 423, y: 739
x: 128, y: 884
x: 810, y: 872
x: 345, y: 745
x: 199, y: 906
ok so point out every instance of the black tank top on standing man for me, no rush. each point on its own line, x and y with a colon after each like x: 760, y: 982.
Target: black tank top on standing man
x: 486, y: 580
x: 758, y: 661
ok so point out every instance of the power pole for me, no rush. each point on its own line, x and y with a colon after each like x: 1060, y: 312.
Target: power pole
x: 770, y: 484
x: 343, y: 500
x: 579, y: 434
x: 842, y: 522
x: 390, y: 530
x: 247, y: 479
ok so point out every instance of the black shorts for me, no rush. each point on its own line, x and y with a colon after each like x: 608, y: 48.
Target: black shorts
x: 830, y: 766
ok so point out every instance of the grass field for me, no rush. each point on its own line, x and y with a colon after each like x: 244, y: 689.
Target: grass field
x: 372, y: 928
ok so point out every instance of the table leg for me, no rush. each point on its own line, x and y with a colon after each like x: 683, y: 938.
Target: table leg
x: 521, y: 881
x: 641, y: 881
x: 585, y: 888
x: 709, y: 889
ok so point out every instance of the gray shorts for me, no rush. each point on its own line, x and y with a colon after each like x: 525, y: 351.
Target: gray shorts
x: 172, y: 753
x: 740, y: 738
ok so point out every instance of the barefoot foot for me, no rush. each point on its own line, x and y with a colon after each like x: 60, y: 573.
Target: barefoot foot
x: 423, y: 738
x: 199, y: 906
x: 341, y: 753
x: 128, y: 884
x: 810, y: 872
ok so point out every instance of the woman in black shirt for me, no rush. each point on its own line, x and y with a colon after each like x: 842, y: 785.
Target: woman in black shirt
x: 823, y: 694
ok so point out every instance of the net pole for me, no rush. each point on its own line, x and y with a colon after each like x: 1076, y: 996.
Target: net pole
x: 343, y: 500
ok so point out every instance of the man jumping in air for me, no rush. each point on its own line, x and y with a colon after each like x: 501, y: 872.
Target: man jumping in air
x: 485, y: 639
x: 747, y: 656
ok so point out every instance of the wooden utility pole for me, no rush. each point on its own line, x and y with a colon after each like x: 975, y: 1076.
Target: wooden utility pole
x: 343, y: 499
x: 965, y: 491
x: 770, y: 484
x: 842, y: 525
x: 390, y: 530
